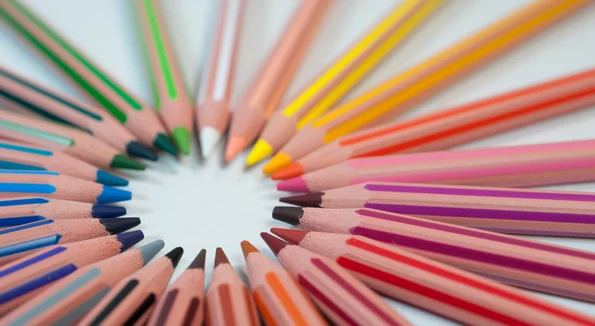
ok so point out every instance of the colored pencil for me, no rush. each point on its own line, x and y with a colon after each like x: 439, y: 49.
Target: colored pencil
x: 555, y: 213
x: 69, y: 299
x: 431, y: 285
x: 279, y: 298
x: 334, y: 83
x: 340, y: 296
x: 132, y: 299
x: 214, y: 96
x: 84, y: 73
x: 228, y: 300
x: 17, y: 156
x: 183, y: 302
x: 27, y: 277
x: 15, y: 183
x: 459, y: 125
x: 530, y: 264
x: 274, y: 76
x: 169, y: 93
x: 426, y: 79
x: 21, y: 93
x: 60, y: 137
x: 516, y: 166
x: 19, y: 241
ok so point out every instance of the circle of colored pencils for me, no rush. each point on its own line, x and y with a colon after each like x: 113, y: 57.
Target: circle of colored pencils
x: 183, y: 302
x: 228, y: 300
x: 17, y: 183
x: 17, y: 156
x: 346, y: 72
x: 60, y: 137
x: 456, y: 126
x: 529, y: 264
x: 340, y: 296
x: 425, y: 80
x: 431, y: 285
x: 274, y: 76
x: 22, y: 240
x: 132, y: 299
x: 279, y: 298
x: 23, y: 210
x: 69, y: 299
x: 25, y: 278
x: 23, y: 94
x: 129, y: 110
x: 214, y: 96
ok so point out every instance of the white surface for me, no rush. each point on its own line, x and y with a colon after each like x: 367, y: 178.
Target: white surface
x: 192, y: 203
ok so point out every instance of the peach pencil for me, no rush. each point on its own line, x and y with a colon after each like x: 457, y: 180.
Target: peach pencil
x: 279, y: 298
x: 69, y: 299
x: 459, y: 125
x: 56, y: 136
x: 229, y: 301
x: 27, y: 277
x: 275, y: 75
x: 431, y: 285
x: 337, y: 293
x: 21, y: 93
x: 524, y: 263
x: 516, y: 166
x: 17, y: 156
x: 22, y: 240
x: 141, y: 120
x: 23, y: 210
x: 212, y: 106
x: 17, y: 183
x: 183, y: 302
x: 421, y: 82
x: 504, y: 210
x: 132, y: 299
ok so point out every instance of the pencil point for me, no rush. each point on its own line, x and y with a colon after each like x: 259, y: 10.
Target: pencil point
x: 124, y: 162
x: 289, y: 215
x: 109, y: 179
x: 294, y: 170
x: 175, y: 255
x: 260, y: 151
x: 289, y: 235
x: 129, y: 239
x: 137, y: 149
x: 209, y: 138
x: 307, y: 200
x: 199, y: 260
x: 247, y: 248
x: 297, y: 184
x: 149, y: 250
x: 274, y: 243
x: 220, y: 257
x: 181, y: 136
x: 234, y: 146
x: 119, y: 225
x: 279, y: 161
x: 164, y: 144
x: 107, y: 211
x: 112, y: 195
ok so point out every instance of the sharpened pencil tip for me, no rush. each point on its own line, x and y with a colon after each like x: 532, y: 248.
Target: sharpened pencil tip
x: 306, y: 200
x: 279, y: 161
x: 109, y: 179
x: 107, y: 211
x: 234, y: 146
x: 181, y: 136
x: 260, y: 151
x: 294, y: 170
x: 290, y: 235
x: 220, y: 257
x: 175, y: 255
x: 112, y: 195
x: 129, y: 239
x: 274, y: 243
x: 297, y: 184
x: 199, y: 260
x: 247, y: 248
x: 124, y: 162
x: 137, y: 149
x: 119, y: 225
x: 164, y: 144
x: 151, y: 249
x: 289, y: 215
x: 209, y: 138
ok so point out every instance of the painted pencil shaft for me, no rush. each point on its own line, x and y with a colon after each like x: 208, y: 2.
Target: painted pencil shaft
x: 275, y: 75
x: 215, y: 90
x: 125, y: 107
x: 171, y: 100
x: 459, y: 125
x: 427, y: 79
x: 342, y: 75
x: 431, y: 285
x: 14, y: 183
x: 69, y: 299
x: 22, y: 93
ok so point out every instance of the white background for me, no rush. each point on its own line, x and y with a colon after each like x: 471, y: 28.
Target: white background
x: 199, y: 204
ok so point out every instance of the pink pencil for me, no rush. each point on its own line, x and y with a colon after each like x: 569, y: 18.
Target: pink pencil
x: 516, y: 166
x: 215, y: 90
x: 340, y: 296
x: 131, y: 301
x: 428, y: 284
x: 275, y: 75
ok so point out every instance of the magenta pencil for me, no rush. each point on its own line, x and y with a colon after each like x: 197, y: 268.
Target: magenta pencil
x: 431, y: 285
x: 530, y: 264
